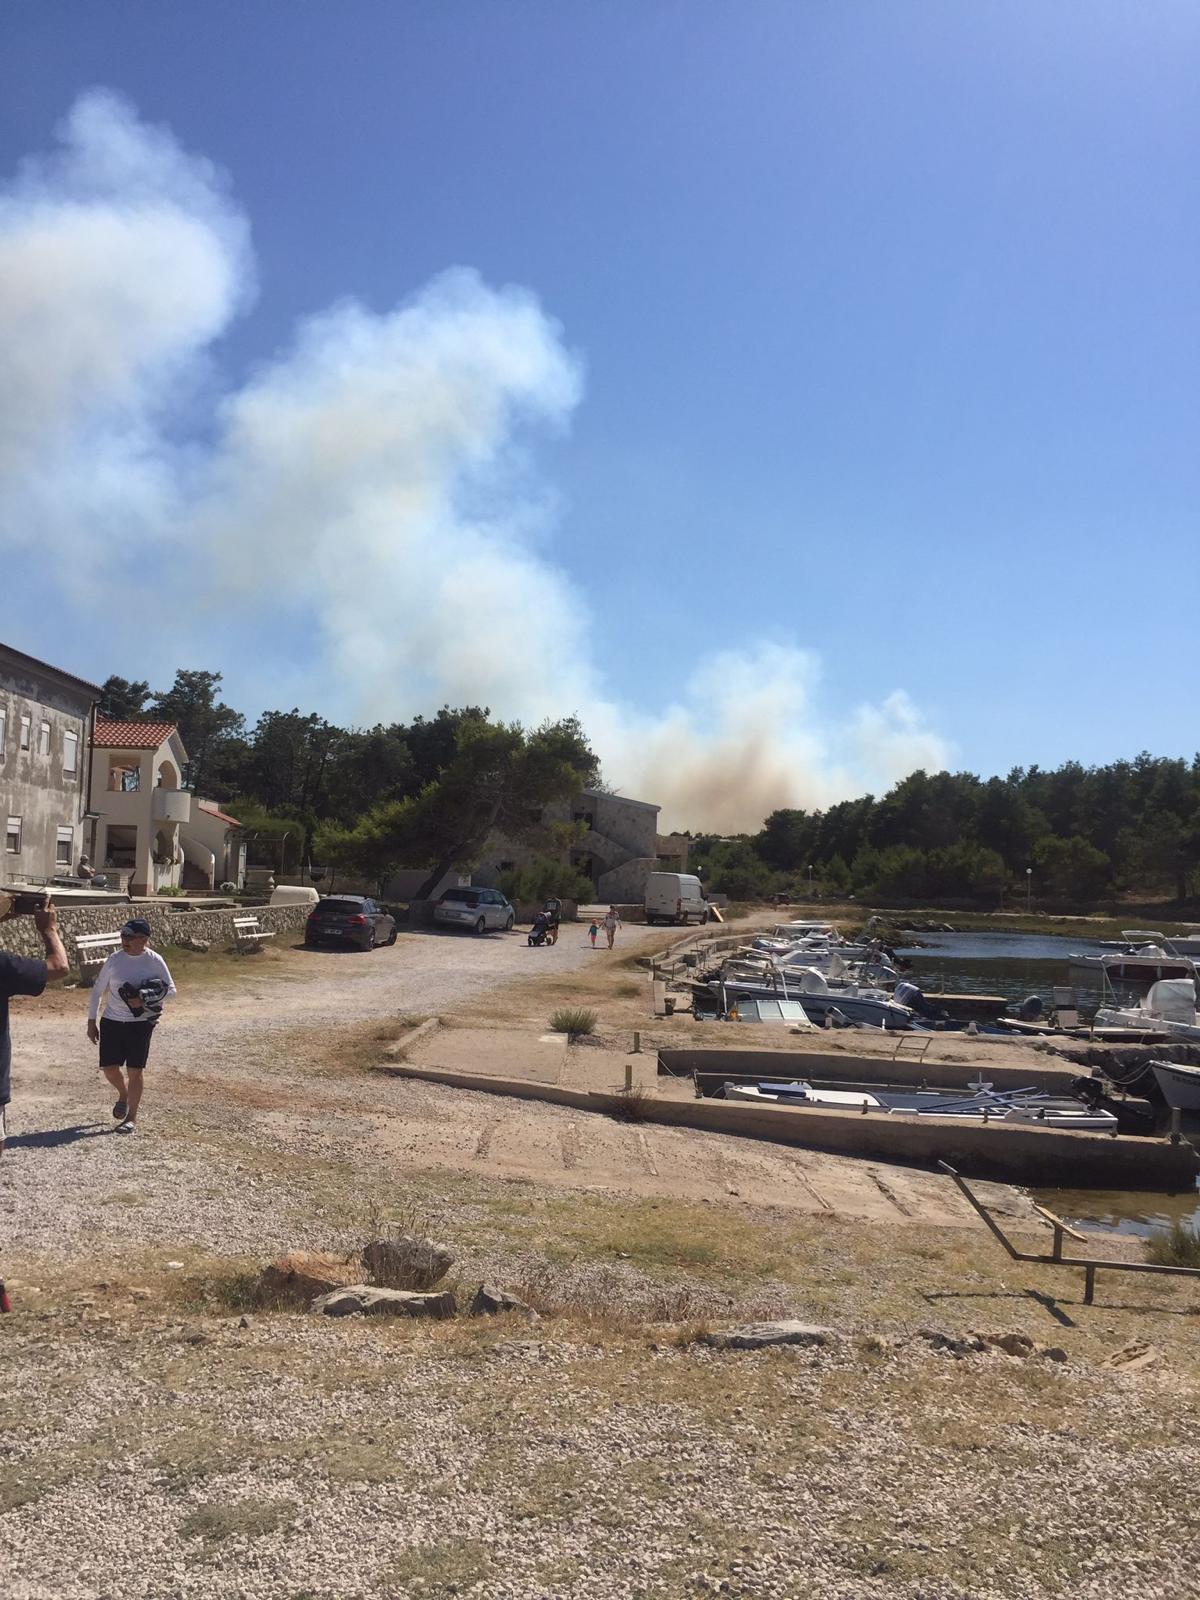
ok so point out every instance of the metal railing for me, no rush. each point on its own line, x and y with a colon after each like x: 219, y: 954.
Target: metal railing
x: 1089, y: 1264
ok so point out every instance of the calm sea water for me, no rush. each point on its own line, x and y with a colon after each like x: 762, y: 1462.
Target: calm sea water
x: 1011, y: 964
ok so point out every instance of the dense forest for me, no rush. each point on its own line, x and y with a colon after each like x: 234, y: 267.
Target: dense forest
x: 369, y: 799
x: 1073, y: 834
x: 363, y: 801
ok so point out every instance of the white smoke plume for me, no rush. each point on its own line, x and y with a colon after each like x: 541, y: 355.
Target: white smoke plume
x: 367, y: 489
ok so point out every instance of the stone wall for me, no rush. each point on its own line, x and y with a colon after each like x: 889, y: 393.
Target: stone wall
x: 20, y: 936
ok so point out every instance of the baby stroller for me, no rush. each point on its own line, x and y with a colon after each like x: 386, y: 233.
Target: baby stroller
x: 545, y: 924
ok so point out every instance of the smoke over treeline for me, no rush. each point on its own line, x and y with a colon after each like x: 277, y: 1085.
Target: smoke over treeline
x: 365, y: 489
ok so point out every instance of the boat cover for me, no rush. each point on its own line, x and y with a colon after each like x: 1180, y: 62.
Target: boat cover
x: 1172, y: 999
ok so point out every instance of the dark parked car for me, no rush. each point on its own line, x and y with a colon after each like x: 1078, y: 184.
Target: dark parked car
x: 349, y: 919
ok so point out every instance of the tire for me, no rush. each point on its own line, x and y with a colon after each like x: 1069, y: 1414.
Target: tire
x: 391, y: 938
x: 369, y: 942
x: 481, y: 926
x: 508, y: 926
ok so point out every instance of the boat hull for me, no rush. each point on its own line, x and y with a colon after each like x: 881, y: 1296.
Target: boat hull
x: 1180, y: 1085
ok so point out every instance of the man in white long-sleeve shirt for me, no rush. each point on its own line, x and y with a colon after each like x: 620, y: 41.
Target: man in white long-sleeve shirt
x: 135, y: 981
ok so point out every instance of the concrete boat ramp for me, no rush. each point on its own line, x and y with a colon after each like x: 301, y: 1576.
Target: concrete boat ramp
x: 535, y: 1120
x: 654, y: 1131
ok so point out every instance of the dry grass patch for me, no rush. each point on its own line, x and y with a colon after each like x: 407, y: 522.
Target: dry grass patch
x: 243, y: 1519
x: 439, y: 1568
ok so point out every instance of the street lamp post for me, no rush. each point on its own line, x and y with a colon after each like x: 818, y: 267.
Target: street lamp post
x: 810, y: 880
x: 1028, y: 889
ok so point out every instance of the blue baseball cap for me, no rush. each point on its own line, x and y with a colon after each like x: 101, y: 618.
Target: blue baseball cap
x: 138, y: 927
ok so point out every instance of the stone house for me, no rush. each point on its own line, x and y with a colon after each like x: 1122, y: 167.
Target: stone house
x: 618, y: 850
x: 46, y: 716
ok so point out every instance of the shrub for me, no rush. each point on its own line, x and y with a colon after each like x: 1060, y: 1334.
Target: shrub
x: 574, y: 1020
x: 542, y: 878
x: 1180, y: 1247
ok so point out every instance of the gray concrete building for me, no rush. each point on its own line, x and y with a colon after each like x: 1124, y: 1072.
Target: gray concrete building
x: 617, y: 850
x: 46, y: 718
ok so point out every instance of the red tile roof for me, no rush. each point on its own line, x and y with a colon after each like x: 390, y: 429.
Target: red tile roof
x: 222, y: 816
x: 131, y: 735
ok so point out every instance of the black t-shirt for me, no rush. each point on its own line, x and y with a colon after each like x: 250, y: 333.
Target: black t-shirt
x: 18, y: 975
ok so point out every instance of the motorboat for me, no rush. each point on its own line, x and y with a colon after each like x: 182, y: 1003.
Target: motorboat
x: 1180, y: 1084
x: 870, y: 1008
x: 789, y: 1011
x: 1169, y: 1007
x: 985, y: 1104
x: 1147, y: 957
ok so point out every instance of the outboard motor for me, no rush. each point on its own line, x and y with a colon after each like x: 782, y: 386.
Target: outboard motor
x: 1030, y: 1008
x: 910, y: 995
x: 1089, y: 1090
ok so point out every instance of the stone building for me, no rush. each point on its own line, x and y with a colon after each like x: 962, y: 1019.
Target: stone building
x: 618, y: 850
x: 46, y: 717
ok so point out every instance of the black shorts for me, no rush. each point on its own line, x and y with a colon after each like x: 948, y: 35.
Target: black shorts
x: 124, y: 1044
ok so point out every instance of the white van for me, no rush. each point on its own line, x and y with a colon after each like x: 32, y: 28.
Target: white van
x: 675, y: 897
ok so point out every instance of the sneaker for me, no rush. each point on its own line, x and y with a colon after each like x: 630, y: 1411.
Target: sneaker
x: 127, y: 1127
x: 120, y: 1111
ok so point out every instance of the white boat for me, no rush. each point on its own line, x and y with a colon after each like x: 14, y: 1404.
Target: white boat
x: 870, y: 1008
x: 1147, y: 957
x: 986, y: 1105
x: 1180, y: 1085
x: 789, y: 1011
x: 1169, y: 1007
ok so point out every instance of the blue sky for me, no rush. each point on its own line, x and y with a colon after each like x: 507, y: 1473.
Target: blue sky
x: 886, y: 317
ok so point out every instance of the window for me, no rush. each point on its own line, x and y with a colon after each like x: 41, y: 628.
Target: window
x: 507, y: 866
x: 122, y: 778
x: 70, y: 752
x: 64, y: 847
x: 12, y: 839
x: 3, y: 731
x: 44, y: 739
x: 26, y: 724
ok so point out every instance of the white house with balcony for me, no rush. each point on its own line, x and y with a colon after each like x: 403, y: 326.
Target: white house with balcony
x: 137, y: 786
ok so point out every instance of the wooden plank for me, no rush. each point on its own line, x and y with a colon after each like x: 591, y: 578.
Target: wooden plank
x: 1044, y: 1211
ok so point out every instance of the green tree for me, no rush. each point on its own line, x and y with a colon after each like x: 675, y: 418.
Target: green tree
x: 204, y: 722
x: 735, y: 868
x: 499, y: 779
x: 121, y: 700
x: 1073, y: 868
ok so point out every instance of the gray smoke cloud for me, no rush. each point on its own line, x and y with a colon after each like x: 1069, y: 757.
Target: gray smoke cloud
x: 370, y: 486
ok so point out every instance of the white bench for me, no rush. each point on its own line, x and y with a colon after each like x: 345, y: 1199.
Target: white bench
x: 94, y: 949
x: 247, y: 931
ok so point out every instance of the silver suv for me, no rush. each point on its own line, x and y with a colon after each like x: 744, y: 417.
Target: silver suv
x: 475, y: 908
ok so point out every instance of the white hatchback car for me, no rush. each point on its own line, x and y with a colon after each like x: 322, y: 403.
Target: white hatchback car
x: 479, y: 909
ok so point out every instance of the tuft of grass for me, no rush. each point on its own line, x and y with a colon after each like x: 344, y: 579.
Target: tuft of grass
x: 632, y: 1105
x: 574, y: 1020
x: 1180, y: 1247
x: 243, y: 1519
x: 442, y: 1568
